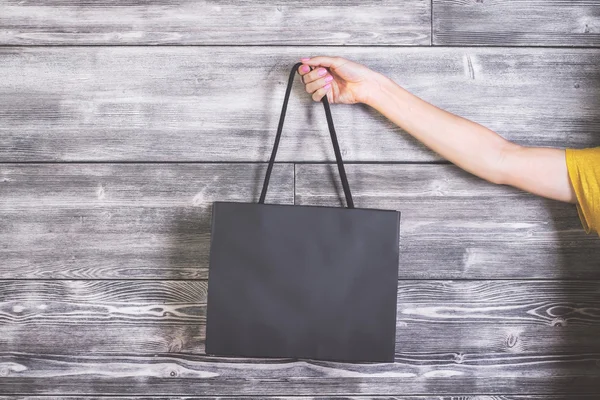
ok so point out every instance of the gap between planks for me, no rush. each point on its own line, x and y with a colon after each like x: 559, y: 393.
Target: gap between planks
x: 125, y: 162
x: 391, y: 46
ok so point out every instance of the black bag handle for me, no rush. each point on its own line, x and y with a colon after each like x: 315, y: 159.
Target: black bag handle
x: 334, y: 141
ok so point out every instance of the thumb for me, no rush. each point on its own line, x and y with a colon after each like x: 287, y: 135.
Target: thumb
x: 323, y: 61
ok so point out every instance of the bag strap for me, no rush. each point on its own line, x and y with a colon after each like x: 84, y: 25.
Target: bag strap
x: 334, y: 141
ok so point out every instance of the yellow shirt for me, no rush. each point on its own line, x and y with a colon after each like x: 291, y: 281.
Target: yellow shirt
x: 584, y: 171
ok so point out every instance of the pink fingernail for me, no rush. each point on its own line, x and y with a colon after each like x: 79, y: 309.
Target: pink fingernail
x: 328, y: 78
x: 327, y: 87
x: 304, y: 59
x: 322, y: 71
x: 305, y: 68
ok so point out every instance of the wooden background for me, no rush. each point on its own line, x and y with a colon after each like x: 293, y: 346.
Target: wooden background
x: 121, y: 122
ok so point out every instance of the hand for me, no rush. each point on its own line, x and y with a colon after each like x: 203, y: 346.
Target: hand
x: 343, y: 81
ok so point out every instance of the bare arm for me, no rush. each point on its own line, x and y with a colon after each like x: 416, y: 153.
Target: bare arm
x: 474, y: 148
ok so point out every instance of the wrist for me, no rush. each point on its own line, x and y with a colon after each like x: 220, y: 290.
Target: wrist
x: 374, y: 89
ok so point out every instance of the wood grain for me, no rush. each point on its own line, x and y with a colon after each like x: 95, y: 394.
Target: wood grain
x: 103, y: 265
x: 215, y: 22
x: 178, y: 104
x: 455, y: 225
x: 458, y: 397
x: 168, y: 335
x: 120, y: 220
x: 446, y: 317
x: 179, y: 374
x: 516, y: 23
x: 152, y: 221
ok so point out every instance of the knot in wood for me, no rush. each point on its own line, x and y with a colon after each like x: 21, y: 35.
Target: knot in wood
x: 459, y: 358
x: 511, y: 341
x: 176, y: 346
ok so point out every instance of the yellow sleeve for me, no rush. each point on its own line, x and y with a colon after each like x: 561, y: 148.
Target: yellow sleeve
x: 584, y: 171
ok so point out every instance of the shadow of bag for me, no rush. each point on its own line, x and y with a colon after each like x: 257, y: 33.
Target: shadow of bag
x: 303, y: 281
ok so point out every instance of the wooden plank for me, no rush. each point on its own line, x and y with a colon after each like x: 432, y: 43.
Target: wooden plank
x: 70, y: 312
x: 454, y: 225
x: 113, y: 221
x: 152, y: 221
x: 516, y: 23
x: 179, y: 374
x: 335, y: 22
x: 173, y: 336
x: 446, y: 317
x: 460, y: 397
x: 482, y: 397
x: 178, y: 104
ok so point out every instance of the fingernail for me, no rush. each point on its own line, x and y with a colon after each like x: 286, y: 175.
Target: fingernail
x: 328, y: 78
x: 327, y: 87
x: 304, y: 59
x: 322, y: 71
x: 305, y: 68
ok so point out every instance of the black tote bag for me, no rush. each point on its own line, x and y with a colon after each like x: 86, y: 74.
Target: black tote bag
x: 303, y: 281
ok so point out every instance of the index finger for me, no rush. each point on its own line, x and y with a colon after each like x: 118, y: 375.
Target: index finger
x: 303, y: 69
x: 323, y: 61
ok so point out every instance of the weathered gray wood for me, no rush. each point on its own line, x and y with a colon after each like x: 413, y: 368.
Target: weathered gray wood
x: 169, y: 335
x: 171, y: 374
x: 481, y: 397
x: 222, y: 103
x: 454, y: 225
x: 153, y: 221
x: 120, y: 220
x: 446, y: 317
x: 516, y: 23
x: 333, y: 22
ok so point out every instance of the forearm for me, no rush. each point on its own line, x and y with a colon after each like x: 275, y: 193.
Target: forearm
x: 467, y: 144
x: 471, y: 146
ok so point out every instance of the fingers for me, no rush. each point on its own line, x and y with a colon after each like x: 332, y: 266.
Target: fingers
x: 318, y: 95
x: 309, y: 75
x: 314, y: 75
x: 318, y: 81
x: 323, y: 61
x: 303, y: 69
x: 318, y: 84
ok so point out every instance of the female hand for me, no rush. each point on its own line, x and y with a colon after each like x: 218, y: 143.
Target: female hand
x: 343, y: 81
